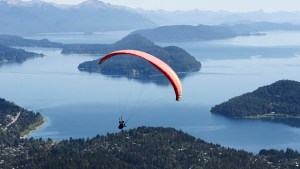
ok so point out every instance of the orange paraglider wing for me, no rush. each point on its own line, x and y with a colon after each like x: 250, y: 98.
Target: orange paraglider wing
x: 159, y: 64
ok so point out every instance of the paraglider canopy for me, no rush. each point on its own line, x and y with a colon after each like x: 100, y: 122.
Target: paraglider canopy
x: 159, y: 64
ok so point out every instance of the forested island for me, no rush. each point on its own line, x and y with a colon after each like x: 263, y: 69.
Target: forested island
x: 12, y: 55
x: 181, y: 61
x: 278, y: 102
x: 175, y: 57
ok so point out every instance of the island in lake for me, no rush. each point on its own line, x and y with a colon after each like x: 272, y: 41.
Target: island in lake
x: 278, y: 102
x: 178, y: 59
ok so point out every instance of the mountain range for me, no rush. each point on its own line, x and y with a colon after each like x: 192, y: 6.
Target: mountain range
x: 20, y: 17
x: 30, y: 17
x: 195, y: 17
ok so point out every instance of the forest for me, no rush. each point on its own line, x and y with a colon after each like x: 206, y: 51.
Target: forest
x: 142, y: 147
x: 281, y: 97
x: 12, y: 55
x: 25, y: 122
x: 278, y: 102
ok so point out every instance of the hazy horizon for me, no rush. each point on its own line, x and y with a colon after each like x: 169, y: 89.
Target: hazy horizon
x: 212, y: 5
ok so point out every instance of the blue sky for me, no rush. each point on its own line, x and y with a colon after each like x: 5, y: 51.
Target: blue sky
x: 215, y: 5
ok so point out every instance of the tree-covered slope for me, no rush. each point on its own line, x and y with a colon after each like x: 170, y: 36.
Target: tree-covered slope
x: 189, y: 33
x: 15, y: 120
x: 11, y: 40
x: 144, y: 147
x: 12, y: 55
x: 279, y: 101
x: 185, y: 33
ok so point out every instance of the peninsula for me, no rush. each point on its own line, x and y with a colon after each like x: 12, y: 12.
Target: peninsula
x: 17, y: 120
x: 278, y: 102
x: 12, y: 55
x: 12, y: 40
x: 190, y: 33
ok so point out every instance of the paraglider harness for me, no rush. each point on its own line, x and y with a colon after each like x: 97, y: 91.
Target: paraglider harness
x: 122, y: 123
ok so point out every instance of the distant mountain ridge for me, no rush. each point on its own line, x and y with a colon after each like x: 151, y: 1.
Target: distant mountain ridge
x: 9, y: 54
x: 253, y: 27
x: 196, y: 16
x: 20, y: 17
x: 185, y: 33
x: 25, y: 3
x: 37, y: 16
x: 188, y: 33
x: 12, y: 40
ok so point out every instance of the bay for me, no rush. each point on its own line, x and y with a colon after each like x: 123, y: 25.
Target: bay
x: 78, y: 104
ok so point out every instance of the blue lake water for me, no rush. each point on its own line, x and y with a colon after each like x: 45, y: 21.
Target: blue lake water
x: 78, y: 104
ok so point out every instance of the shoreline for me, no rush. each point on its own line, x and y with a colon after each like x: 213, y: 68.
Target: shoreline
x: 293, y: 121
x: 38, y: 127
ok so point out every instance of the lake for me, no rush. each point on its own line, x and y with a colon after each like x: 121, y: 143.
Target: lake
x: 79, y: 104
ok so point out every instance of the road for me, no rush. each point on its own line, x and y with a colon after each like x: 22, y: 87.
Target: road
x: 12, y: 122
